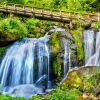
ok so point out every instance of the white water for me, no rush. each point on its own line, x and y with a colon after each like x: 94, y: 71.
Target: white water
x: 66, y: 47
x: 66, y: 60
x: 94, y: 60
x: 26, y: 65
x: 89, y: 41
x: 25, y: 62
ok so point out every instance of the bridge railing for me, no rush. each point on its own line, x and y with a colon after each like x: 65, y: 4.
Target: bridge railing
x: 48, y: 12
x: 43, y: 12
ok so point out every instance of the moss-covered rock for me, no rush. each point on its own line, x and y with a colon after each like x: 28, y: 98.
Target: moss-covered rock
x: 78, y: 38
x: 55, y: 45
x: 85, y: 79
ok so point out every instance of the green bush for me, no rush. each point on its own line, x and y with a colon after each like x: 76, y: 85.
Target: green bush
x: 12, y: 28
x: 31, y: 25
x: 59, y: 94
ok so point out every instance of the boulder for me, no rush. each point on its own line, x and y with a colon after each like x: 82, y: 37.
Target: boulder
x: 86, y: 79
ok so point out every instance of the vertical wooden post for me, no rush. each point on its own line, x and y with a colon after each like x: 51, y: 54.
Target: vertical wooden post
x: 5, y: 5
x: 69, y: 15
x: 98, y: 17
x: 14, y: 7
x: 33, y: 11
x: 23, y: 8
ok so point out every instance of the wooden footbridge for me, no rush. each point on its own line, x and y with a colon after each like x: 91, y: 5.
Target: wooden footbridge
x: 40, y: 13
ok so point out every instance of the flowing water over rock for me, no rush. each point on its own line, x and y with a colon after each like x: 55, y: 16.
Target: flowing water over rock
x: 89, y: 42
x: 26, y: 62
x: 25, y: 68
x: 94, y: 60
x: 65, y: 46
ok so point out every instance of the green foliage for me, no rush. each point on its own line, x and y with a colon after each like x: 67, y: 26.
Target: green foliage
x: 56, y: 65
x: 59, y: 94
x: 2, y: 51
x: 74, y: 5
x: 97, y: 25
x: 55, y: 45
x: 18, y: 1
x: 55, y: 42
x: 78, y: 42
x: 90, y: 5
x: 31, y: 24
x: 91, y: 83
x: 12, y: 28
x: 33, y: 27
x: 2, y: 97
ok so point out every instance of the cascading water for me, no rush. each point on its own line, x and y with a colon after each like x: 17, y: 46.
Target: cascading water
x: 26, y: 62
x: 94, y: 60
x: 66, y: 60
x: 89, y: 41
x: 25, y: 69
x: 66, y: 48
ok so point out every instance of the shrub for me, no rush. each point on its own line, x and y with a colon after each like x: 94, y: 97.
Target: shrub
x: 12, y: 28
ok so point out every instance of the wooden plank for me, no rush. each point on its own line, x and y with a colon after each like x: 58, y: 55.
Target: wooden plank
x: 47, y: 14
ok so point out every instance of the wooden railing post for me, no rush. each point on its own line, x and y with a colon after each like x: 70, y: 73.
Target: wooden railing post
x: 14, y: 7
x: 33, y: 12
x: 5, y: 5
x: 23, y: 8
x: 98, y: 17
x: 42, y: 12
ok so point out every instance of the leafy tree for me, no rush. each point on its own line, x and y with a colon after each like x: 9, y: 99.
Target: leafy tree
x: 74, y: 5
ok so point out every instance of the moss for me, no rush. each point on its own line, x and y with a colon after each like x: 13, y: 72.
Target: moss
x: 96, y: 25
x: 2, y: 51
x: 56, y: 65
x: 74, y: 81
x: 55, y: 46
x: 91, y: 83
x: 55, y: 43
x: 78, y: 34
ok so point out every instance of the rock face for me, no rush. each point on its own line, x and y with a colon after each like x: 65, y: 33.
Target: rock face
x: 86, y: 79
x: 4, y: 43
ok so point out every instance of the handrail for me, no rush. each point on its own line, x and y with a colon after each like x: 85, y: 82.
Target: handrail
x: 44, y: 13
x: 55, y: 10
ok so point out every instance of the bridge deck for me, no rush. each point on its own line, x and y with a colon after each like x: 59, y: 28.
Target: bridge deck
x: 46, y: 14
x: 36, y: 12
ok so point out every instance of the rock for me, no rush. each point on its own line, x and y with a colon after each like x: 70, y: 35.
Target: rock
x: 81, y: 77
x: 86, y: 25
x: 4, y: 43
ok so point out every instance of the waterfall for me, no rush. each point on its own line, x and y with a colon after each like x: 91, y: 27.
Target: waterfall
x: 25, y: 68
x: 66, y: 58
x: 89, y: 40
x: 94, y: 60
x: 66, y: 48
x: 25, y: 62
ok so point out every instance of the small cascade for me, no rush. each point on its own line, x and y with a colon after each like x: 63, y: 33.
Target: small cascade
x: 94, y: 60
x: 25, y: 62
x: 66, y: 48
x: 89, y: 40
x: 66, y: 61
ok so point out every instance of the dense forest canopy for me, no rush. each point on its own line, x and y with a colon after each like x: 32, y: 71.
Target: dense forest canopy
x: 66, y: 5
